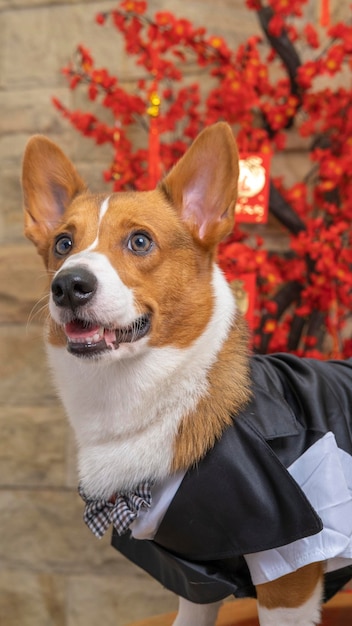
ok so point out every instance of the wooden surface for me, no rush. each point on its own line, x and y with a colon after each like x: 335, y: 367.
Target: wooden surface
x: 338, y: 612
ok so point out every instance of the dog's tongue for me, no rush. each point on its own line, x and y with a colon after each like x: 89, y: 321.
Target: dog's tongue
x: 79, y: 330
x: 83, y: 337
x: 87, y: 338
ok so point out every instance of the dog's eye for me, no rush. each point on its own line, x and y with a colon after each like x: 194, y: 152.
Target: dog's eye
x: 63, y: 245
x: 140, y: 243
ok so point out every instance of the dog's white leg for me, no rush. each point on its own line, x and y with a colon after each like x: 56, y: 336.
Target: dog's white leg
x: 190, y: 614
x: 287, y: 607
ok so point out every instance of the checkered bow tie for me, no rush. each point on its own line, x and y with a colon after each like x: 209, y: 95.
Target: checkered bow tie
x: 121, y: 511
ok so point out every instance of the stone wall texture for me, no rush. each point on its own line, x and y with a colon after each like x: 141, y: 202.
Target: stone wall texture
x: 52, y: 571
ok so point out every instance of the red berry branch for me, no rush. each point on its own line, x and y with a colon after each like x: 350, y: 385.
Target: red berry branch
x: 266, y: 91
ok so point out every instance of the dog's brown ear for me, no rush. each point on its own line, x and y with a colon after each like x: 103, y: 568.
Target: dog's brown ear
x: 203, y: 184
x: 49, y: 183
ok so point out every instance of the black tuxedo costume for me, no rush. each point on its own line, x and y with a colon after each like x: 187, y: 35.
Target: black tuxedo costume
x: 240, y: 498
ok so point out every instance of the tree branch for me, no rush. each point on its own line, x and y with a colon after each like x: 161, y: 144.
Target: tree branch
x: 283, y: 211
x: 283, y: 47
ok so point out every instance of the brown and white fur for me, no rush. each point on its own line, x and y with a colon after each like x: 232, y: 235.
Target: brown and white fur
x: 148, y: 398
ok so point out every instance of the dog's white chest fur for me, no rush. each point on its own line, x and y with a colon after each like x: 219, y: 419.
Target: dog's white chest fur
x: 126, y: 412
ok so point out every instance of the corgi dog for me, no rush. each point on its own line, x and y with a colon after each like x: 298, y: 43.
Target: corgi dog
x: 151, y: 361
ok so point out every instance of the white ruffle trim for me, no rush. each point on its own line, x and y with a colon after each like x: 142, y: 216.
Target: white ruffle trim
x: 324, y: 473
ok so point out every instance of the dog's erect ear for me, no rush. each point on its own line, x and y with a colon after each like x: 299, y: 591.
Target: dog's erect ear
x: 49, y: 183
x: 203, y: 184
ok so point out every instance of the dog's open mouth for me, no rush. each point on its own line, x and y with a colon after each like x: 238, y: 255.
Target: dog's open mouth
x: 85, y: 338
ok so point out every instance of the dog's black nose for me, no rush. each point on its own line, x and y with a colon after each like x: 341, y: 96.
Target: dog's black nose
x: 73, y: 287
